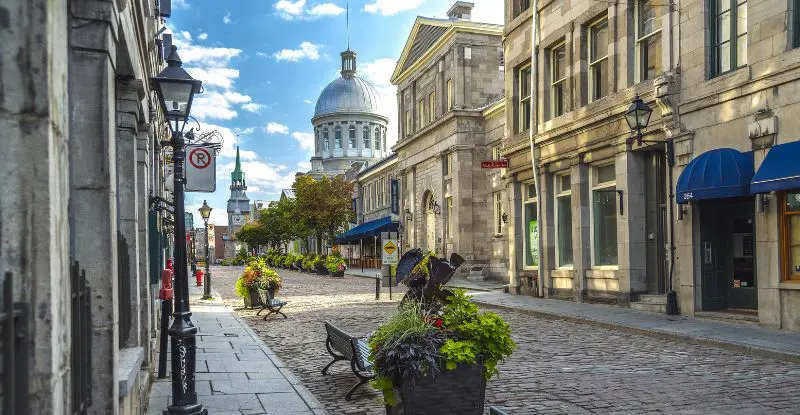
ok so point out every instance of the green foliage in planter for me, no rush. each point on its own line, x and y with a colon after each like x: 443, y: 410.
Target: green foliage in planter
x: 241, y: 289
x: 335, y: 263
x: 311, y: 261
x: 272, y: 256
x: 241, y: 257
x: 479, y: 333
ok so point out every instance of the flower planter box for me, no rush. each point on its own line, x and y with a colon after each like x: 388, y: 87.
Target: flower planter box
x: 458, y: 391
x: 321, y: 270
x: 337, y: 274
x: 251, y: 300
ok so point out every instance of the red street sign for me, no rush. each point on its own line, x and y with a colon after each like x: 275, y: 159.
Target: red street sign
x: 494, y: 164
x: 199, y: 158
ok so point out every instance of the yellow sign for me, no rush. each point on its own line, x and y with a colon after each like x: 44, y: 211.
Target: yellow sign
x: 389, y: 247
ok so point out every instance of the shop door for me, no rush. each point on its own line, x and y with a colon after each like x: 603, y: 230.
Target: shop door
x: 713, y: 257
x: 655, y: 223
x: 742, y: 292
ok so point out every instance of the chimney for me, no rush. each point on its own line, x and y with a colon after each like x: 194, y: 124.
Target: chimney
x: 461, y: 10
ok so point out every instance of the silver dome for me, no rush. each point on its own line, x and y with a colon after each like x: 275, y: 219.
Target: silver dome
x: 348, y: 94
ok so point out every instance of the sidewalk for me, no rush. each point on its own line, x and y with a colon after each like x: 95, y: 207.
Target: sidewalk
x: 770, y: 343
x: 488, y: 285
x: 236, y: 372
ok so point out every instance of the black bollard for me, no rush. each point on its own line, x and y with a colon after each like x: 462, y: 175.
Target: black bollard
x: 378, y: 287
x: 166, y: 311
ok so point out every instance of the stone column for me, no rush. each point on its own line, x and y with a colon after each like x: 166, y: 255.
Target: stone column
x: 34, y: 248
x: 516, y: 234
x: 93, y: 186
x: 458, y: 81
x: 631, y: 241
x: 143, y: 231
x: 547, y: 256
x: 581, y: 230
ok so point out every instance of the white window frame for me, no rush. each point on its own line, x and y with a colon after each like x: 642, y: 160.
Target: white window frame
x: 558, y: 193
x: 326, y: 138
x: 599, y: 186
x: 432, y: 106
x: 497, y: 205
x: 365, y: 137
x: 525, y: 202
x: 421, y: 113
x: 337, y: 138
x: 599, y: 60
x: 561, y: 82
x: 448, y: 204
x: 449, y: 94
x: 524, y: 122
x: 639, y: 41
x: 352, y: 140
x: 378, y: 139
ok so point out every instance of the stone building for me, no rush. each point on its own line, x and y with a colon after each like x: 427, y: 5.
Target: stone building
x: 449, y: 80
x: 348, y: 126
x: 238, y: 209
x: 81, y: 155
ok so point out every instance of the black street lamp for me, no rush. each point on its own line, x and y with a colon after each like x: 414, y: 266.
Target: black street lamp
x: 176, y: 90
x: 205, y: 213
x: 638, y: 116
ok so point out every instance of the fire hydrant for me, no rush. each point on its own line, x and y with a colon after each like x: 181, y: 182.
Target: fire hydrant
x: 199, y: 275
x: 166, y: 292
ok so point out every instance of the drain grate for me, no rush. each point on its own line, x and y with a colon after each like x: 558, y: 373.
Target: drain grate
x: 231, y: 335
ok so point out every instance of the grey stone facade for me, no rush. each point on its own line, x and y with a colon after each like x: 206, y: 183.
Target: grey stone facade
x: 80, y: 160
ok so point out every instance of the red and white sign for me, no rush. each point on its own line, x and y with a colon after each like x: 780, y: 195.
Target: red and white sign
x: 201, y: 169
x: 494, y: 164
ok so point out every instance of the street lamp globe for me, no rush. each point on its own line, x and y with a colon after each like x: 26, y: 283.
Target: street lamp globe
x: 638, y: 114
x: 205, y: 211
x: 175, y: 88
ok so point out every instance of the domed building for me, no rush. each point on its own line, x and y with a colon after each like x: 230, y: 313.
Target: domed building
x: 348, y: 127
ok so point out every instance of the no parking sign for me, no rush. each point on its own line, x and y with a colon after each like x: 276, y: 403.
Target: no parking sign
x: 201, y: 169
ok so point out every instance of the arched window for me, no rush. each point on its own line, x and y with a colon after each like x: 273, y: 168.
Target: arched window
x: 337, y: 136
x: 366, y: 137
x: 377, y: 138
x: 351, y: 142
x: 325, y: 139
x: 384, y: 138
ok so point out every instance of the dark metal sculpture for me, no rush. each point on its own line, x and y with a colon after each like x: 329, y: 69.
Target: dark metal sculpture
x: 425, y: 283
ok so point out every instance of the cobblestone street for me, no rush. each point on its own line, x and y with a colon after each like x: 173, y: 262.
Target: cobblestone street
x: 560, y: 367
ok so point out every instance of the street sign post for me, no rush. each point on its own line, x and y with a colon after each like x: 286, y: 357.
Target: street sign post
x: 201, y: 169
x: 390, y: 252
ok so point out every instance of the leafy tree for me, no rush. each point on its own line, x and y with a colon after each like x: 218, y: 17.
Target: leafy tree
x: 323, y: 206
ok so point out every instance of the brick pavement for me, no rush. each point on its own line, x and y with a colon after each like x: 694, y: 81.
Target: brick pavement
x: 560, y: 367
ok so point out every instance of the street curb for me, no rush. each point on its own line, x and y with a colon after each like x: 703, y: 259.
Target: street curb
x: 655, y: 333
x: 305, y: 394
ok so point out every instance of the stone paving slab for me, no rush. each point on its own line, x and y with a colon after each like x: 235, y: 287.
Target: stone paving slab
x: 236, y: 372
x: 760, y: 341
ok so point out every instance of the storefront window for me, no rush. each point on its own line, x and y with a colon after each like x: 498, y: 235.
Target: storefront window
x: 791, y: 235
x: 563, y: 221
x: 604, y: 215
x: 531, y: 229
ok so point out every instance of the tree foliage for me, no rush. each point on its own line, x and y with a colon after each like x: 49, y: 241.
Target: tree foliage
x: 324, y: 206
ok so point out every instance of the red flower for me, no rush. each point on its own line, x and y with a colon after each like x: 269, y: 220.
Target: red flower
x: 438, y: 323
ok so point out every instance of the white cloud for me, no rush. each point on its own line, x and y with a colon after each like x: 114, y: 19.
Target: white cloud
x: 202, y: 36
x: 325, y: 9
x: 253, y: 107
x: 262, y: 54
x: 391, y: 7
x: 244, y: 131
x: 306, y: 140
x: 227, y: 18
x: 180, y: 4
x: 487, y: 11
x: 186, y: 35
x: 221, y: 77
x: 304, y: 165
x: 379, y: 73
x: 276, y: 128
x: 263, y: 175
x: 194, y: 55
x: 253, y: 189
x: 297, y: 10
x: 307, y: 50
x: 307, y: 101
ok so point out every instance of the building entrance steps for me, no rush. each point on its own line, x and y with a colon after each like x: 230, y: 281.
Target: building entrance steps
x: 759, y: 341
x: 236, y: 372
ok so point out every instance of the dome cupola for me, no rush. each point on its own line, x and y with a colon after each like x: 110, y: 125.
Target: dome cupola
x: 348, y: 94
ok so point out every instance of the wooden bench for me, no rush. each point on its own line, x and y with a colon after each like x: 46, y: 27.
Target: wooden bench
x: 343, y: 346
x: 267, y: 301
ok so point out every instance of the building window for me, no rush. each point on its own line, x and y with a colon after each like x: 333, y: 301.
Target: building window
x: 432, y: 106
x: 377, y: 139
x: 366, y: 138
x: 337, y: 136
x: 598, y: 60
x: 604, y: 215
x: 383, y: 137
x: 729, y: 34
x: 373, y: 195
x: 648, y: 38
x: 447, y: 160
x: 530, y: 225
x: 351, y: 142
x: 524, y: 81
x: 795, y: 23
x: 558, y: 78
x: 449, y: 94
x: 421, y: 113
x: 790, y: 235
x: 496, y: 153
x: 563, y: 220
x: 325, y: 138
x: 383, y: 190
x: 448, y: 203
x: 498, y: 213
x: 520, y: 6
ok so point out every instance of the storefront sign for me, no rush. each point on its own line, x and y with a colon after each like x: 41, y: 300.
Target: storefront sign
x: 494, y: 164
x: 355, y: 211
x: 395, y: 188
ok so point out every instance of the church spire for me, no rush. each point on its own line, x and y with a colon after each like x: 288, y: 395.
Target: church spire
x: 237, y: 177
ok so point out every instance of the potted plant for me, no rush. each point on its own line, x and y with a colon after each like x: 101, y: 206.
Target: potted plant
x: 320, y: 265
x: 335, y: 265
x: 246, y: 288
x: 309, y: 264
x: 256, y: 276
x: 435, y: 354
x: 297, y: 262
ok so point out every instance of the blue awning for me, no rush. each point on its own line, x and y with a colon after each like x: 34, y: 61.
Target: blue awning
x: 716, y: 174
x: 367, y: 230
x: 780, y: 169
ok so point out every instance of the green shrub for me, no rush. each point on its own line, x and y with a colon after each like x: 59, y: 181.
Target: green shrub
x: 335, y: 264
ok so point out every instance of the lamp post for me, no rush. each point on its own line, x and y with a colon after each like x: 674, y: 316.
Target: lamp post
x: 176, y: 90
x: 638, y: 117
x: 205, y: 213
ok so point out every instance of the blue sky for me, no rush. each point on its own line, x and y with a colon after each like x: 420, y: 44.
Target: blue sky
x: 263, y: 64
